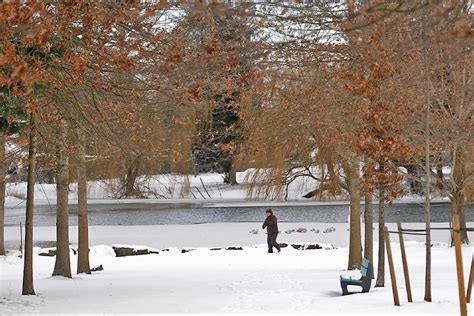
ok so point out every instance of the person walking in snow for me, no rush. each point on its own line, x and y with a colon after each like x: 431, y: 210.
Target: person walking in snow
x: 272, y: 230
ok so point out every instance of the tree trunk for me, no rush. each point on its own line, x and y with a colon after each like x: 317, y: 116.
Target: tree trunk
x: 28, y: 288
x: 457, y: 209
x: 62, y: 265
x: 2, y: 194
x: 231, y: 174
x: 381, y: 266
x: 458, y: 193
x: 83, y: 265
x: 428, y: 208
x: 355, y: 244
x: 439, y: 171
x: 462, y: 222
x: 415, y: 186
x: 428, y: 242
x: 133, y: 165
x: 369, y: 231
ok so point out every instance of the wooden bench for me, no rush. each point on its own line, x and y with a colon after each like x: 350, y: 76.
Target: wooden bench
x: 365, y: 281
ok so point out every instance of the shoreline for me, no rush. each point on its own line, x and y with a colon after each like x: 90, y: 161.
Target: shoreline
x: 211, y: 203
x: 217, y: 234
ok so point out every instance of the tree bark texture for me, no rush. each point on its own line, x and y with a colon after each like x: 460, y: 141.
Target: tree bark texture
x: 28, y: 288
x: 231, y: 174
x: 380, y: 282
x: 369, y: 231
x: 62, y: 265
x: 355, y: 244
x: 428, y: 241
x: 133, y: 165
x: 83, y: 265
x: 458, y: 194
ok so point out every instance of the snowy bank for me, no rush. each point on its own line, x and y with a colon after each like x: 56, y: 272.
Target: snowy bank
x: 214, y: 234
x: 206, y: 281
x: 203, y: 188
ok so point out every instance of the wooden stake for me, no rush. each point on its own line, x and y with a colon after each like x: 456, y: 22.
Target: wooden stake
x: 469, y: 282
x: 459, y: 267
x: 393, y: 278
x: 405, y: 263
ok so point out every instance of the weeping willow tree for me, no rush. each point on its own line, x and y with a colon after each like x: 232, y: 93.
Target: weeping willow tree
x: 303, y: 129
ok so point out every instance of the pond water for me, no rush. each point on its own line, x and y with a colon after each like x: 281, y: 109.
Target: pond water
x: 179, y: 213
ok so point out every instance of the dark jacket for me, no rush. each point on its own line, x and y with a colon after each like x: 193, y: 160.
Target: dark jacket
x: 271, y: 224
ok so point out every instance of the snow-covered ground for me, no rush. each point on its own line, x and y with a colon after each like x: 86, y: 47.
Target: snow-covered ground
x: 223, y: 281
x: 206, y: 188
x: 213, y: 234
x: 220, y: 281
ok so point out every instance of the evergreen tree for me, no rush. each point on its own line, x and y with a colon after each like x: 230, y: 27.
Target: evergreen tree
x: 228, y: 36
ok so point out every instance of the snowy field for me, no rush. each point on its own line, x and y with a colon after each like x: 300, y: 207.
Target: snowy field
x: 217, y: 281
x: 223, y: 281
